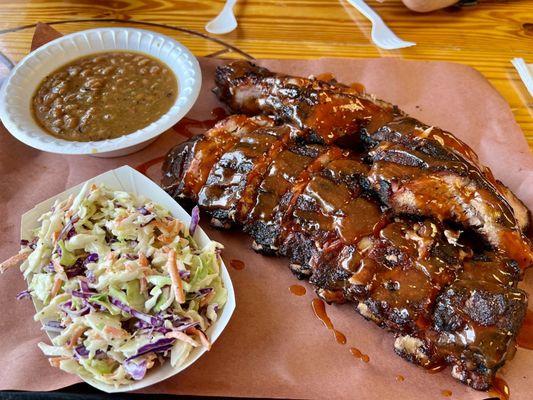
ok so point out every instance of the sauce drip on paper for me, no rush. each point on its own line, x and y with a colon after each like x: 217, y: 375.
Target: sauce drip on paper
x: 500, y: 389
x: 186, y: 125
x: 358, y: 354
x: 144, y: 167
x: 297, y: 290
x: 400, y: 378
x: 447, y: 393
x: 525, y: 336
x: 319, y: 309
x: 237, y: 264
x: 339, y: 337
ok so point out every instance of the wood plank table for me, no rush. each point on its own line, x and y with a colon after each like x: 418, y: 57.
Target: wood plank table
x: 486, y: 36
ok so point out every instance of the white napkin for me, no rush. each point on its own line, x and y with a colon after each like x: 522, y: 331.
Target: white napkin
x: 526, y: 73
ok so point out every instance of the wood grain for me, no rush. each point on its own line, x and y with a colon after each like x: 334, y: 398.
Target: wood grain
x: 485, y: 37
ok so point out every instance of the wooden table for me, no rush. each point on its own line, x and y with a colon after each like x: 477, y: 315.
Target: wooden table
x: 485, y: 37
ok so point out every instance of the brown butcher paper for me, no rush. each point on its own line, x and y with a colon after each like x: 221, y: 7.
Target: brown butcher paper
x: 274, y: 346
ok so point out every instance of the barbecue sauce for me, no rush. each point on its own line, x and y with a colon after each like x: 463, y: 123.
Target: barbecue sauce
x: 500, y: 389
x: 319, y: 309
x: 144, y: 167
x: 297, y: 290
x: 183, y: 127
x: 237, y: 264
x: 358, y: 354
x: 325, y: 76
x: 186, y: 125
x: 339, y: 337
x: 358, y: 87
x: 525, y: 336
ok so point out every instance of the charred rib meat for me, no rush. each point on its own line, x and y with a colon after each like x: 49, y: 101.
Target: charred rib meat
x: 390, y: 224
x: 411, y: 160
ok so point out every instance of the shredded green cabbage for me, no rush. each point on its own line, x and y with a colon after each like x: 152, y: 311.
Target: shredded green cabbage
x: 100, y: 265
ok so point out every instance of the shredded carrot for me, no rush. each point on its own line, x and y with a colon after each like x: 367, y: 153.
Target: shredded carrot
x: 14, y: 261
x: 55, y: 236
x: 143, y: 284
x: 130, y: 266
x: 116, y: 332
x: 147, y: 271
x: 77, y: 334
x: 167, y: 239
x: 207, y: 298
x: 68, y: 203
x: 55, y: 361
x: 169, y: 227
x: 143, y: 261
x: 177, y: 284
x: 183, y: 337
x: 55, y: 289
x: 203, y: 339
x: 121, y: 218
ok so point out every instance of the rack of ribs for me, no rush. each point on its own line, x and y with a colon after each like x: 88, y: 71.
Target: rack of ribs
x: 372, y: 207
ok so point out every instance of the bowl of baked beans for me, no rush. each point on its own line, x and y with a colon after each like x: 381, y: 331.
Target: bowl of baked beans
x: 105, y: 92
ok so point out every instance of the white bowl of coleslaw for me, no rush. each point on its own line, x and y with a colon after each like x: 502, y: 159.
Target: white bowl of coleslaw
x: 115, y: 237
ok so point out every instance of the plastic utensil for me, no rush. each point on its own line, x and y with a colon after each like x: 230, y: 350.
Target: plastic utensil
x: 524, y: 72
x: 224, y: 22
x: 381, y: 34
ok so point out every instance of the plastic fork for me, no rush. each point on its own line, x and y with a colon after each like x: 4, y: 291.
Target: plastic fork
x: 224, y: 22
x: 381, y: 34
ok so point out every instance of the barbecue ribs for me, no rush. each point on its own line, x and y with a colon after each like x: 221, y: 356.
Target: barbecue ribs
x: 372, y: 207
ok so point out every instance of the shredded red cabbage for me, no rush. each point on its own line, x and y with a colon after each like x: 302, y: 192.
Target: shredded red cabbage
x: 185, y: 274
x: 25, y: 294
x: 85, y: 287
x: 90, y: 276
x: 159, y: 346
x: 53, y: 326
x: 49, y: 268
x: 68, y: 230
x: 74, y: 271
x: 81, y: 351
x: 67, y: 307
x: 143, y: 211
x: 134, y: 369
x: 82, y: 295
x: 195, y: 219
x: 186, y: 326
x: 93, y: 257
x: 153, y: 321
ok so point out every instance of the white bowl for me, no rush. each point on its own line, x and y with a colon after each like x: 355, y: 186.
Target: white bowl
x: 127, y: 179
x: 18, y: 90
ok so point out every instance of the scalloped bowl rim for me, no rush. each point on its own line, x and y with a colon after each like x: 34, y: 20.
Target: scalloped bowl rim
x: 14, y: 113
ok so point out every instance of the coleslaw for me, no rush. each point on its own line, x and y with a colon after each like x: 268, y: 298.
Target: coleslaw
x: 123, y: 285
